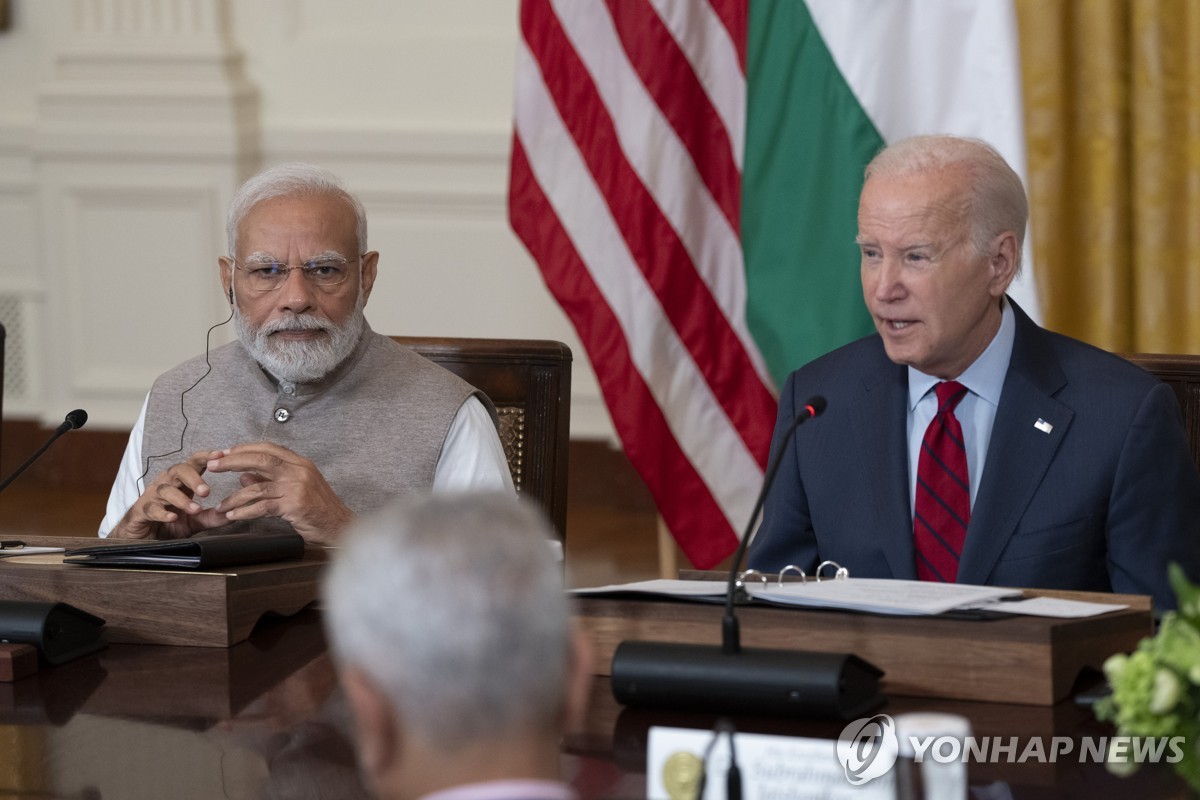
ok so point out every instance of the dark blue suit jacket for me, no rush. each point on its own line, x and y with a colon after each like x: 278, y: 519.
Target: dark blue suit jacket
x: 1103, y: 502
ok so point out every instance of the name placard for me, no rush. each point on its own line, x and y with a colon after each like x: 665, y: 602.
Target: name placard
x: 772, y: 767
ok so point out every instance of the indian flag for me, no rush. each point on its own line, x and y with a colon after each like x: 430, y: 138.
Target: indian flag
x: 686, y: 174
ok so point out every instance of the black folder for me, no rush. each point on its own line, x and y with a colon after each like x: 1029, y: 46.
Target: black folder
x: 197, y: 553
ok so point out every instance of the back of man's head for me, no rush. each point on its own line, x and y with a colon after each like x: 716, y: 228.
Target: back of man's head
x: 453, y: 606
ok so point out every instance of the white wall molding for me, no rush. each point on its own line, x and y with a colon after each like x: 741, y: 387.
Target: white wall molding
x: 147, y: 79
x: 22, y: 293
x: 16, y: 139
x: 146, y: 18
x: 137, y: 120
x: 131, y: 257
x: 143, y: 127
x: 396, y: 143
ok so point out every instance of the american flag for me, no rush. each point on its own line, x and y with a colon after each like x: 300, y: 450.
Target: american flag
x: 625, y: 186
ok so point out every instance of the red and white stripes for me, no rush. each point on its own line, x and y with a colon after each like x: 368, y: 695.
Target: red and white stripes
x: 625, y: 187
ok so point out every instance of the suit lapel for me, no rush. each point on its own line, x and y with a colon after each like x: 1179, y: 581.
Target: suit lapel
x: 1030, y: 424
x: 882, y: 443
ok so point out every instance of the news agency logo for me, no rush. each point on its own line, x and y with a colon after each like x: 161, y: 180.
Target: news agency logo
x: 869, y: 747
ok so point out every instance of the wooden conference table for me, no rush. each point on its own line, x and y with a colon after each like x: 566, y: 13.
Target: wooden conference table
x: 264, y: 719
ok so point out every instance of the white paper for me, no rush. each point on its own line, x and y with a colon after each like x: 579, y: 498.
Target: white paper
x: 1055, y: 607
x: 29, y: 551
x: 874, y: 595
x: 662, y: 586
x: 881, y: 595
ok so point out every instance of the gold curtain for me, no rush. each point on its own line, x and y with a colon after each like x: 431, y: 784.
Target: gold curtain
x: 1112, y: 117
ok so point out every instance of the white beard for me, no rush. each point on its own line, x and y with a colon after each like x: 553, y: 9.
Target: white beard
x: 301, y: 361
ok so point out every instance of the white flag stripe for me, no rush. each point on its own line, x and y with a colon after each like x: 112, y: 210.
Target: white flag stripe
x: 970, y: 84
x: 664, y: 166
x: 695, y: 417
x: 705, y: 41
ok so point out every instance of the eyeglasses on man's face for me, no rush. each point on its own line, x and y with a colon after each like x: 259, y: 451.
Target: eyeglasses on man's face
x: 267, y: 275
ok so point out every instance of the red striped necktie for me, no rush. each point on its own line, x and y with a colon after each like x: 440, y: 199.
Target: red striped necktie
x: 943, y: 500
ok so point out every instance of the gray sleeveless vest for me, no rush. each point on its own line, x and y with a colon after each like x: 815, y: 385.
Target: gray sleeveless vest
x: 374, y: 427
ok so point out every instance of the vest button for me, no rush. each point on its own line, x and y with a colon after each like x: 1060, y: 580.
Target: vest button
x: 282, y: 415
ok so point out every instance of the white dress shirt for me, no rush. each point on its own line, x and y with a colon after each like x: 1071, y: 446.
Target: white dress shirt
x: 976, y: 412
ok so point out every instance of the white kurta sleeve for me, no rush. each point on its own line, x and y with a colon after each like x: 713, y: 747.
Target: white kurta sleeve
x: 472, y: 456
x: 125, y: 489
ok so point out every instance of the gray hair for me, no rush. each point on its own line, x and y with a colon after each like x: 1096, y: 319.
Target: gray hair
x: 455, y: 607
x: 996, y: 200
x: 290, y: 180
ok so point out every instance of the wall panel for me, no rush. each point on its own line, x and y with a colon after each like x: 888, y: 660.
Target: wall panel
x: 146, y: 115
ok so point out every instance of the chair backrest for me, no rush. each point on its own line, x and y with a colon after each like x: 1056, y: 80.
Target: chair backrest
x: 529, y: 381
x: 1182, y: 374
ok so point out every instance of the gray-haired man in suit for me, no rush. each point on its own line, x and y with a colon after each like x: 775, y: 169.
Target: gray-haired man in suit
x: 1077, y: 472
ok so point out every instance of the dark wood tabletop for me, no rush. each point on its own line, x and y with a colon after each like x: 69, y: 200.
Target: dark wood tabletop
x: 264, y: 719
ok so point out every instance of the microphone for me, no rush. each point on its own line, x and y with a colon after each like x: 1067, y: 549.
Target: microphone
x: 730, y: 679
x: 75, y: 419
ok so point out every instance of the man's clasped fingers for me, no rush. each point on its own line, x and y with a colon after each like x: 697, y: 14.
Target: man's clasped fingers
x: 263, y: 459
x: 176, y: 488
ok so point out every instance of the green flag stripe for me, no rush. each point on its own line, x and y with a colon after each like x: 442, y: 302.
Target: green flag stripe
x: 807, y: 141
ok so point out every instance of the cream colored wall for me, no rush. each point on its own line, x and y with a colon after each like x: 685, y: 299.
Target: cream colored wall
x: 125, y: 126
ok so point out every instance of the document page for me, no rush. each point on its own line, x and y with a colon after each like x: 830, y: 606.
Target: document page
x: 871, y: 595
x: 662, y: 586
x: 880, y: 596
x: 28, y: 551
x: 1055, y: 607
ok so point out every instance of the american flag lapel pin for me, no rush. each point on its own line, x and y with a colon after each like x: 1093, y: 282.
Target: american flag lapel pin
x: 1043, y: 426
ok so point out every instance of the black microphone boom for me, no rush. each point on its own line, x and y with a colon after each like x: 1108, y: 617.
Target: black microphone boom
x: 731, y: 641
x: 732, y: 680
x: 75, y: 419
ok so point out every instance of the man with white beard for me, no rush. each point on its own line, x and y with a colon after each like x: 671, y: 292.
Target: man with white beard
x: 310, y: 418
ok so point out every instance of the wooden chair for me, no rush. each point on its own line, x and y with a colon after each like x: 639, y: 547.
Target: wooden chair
x: 1182, y: 374
x: 529, y: 381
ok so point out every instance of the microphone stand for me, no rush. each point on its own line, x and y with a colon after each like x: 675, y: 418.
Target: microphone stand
x: 75, y: 419
x: 731, y: 639
x: 731, y: 679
